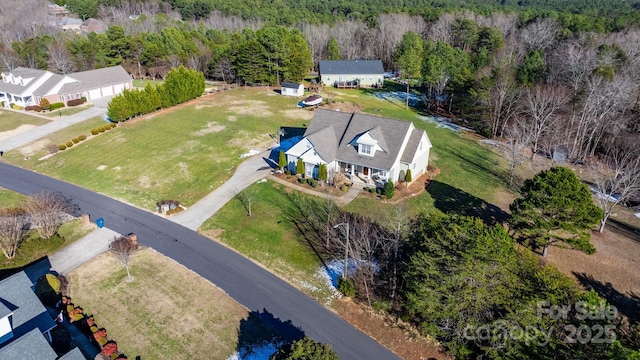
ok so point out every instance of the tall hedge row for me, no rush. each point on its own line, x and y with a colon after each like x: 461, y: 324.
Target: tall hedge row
x: 181, y: 85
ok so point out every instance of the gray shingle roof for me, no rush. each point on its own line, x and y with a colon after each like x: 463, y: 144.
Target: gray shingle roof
x: 412, y: 146
x: 28, y: 311
x: 290, y: 85
x: 389, y: 133
x: 30, y: 346
x: 93, y: 79
x: 347, y: 67
x: 26, y: 72
x: 74, y: 354
x: 46, y: 87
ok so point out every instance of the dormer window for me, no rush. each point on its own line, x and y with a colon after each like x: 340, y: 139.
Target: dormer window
x: 365, y: 149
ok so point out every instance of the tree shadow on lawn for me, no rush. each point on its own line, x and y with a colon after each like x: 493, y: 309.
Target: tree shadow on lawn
x: 623, y: 229
x: 262, y: 332
x: 627, y: 304
x: 451, y: 200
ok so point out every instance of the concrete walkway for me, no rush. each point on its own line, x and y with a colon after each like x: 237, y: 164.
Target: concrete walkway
x: 339, y: 200
x: 251, y: 170
x: 91, y: 245
x: 44, y: 130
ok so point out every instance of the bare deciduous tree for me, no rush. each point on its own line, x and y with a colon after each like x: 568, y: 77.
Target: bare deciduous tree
x: 540, y: 34
x: 390, y: 29
x: 123, y: 247
x: 60, y: 59
x: 47, y: 211
x: 397, y: 224
x: 574, y: 61
x: 518, y: 139
x: 503, y: 94
x: 10, y: 58
x: 246, y: 198
x: 13, y: 231
x: 542, y: 106
x: 617, y: 176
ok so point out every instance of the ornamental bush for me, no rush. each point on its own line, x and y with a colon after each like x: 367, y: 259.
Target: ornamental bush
x: 55, y: 106
x: 69, y: 144
x: 74, y: 102
x: 44, y: 104
x: 75, y: 140
x: 33, y: 108
x: 82, y: 137
x: 62, y: 147
x: 95, y: 131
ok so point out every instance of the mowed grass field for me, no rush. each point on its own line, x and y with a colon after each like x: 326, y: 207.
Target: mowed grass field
x: 11, y: 120
x: 178, y: 154
x: 166, y: 312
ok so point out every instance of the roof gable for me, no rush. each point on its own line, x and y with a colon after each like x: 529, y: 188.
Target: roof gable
x: 347, y: 67
x: 290, y: 85
x: 31, y: 346
x: 390, y: 134
x: 28, y: 311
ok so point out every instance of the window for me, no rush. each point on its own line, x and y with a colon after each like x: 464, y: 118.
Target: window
x: 365, y: 149
x: 68, y: 97
x: 382, y: 173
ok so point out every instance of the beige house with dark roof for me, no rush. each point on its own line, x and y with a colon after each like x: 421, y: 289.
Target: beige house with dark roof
x: 24, y: 86
x: 362, y: 146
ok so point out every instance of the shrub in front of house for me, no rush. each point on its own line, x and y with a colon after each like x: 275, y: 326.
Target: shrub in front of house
x: 314, y: 183
x: 113, y: 125
x: 82, y: 137
x: 16, y: 107
x: 95, y: 131
x: 62, y: 147
x: 84, y: 99
x: 102, y: 129
x: 389, y: 189
x: 55, y: 106
x: 69, y: 144
x: 75, y: 140
x: 44, y: 104
x: 74, y: 102
x: 33, y: 108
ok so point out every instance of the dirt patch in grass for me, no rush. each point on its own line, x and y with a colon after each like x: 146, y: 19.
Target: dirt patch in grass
x: 611, y: 271
x: 167, y: 312
x: 342, y: 106
x: 301, y: 114
x: 212, y: 128
x: 250, y: 107
x: 19, y: 130
x: 403, y: 342
x: 34, y: 147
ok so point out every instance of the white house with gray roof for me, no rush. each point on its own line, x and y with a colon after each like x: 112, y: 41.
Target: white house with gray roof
x: 25, y: 324
x: 361, y: 146
x: 23, y: 86
x: 366, y: 73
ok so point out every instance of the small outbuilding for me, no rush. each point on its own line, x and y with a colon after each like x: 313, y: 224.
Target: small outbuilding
x: 291, y: 89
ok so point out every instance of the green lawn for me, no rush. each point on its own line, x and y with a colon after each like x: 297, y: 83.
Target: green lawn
x: 269, y: 238
x: 180, y: 154
x: 66, y: 111
x: 10, y: 199
x: 10, y: 120
x: 35, y: 248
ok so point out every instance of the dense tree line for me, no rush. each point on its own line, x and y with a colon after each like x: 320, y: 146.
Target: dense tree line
x: 576, y: 15
x: 462, y: 281
x: 180, y: 85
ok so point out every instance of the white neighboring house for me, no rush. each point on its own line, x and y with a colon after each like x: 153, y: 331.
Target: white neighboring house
x: 24, y: 86
x: 291, y: 89
x: 363, y: 146
x: 365, y: 73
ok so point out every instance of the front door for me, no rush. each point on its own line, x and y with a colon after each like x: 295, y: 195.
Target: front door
x: 365, y: 171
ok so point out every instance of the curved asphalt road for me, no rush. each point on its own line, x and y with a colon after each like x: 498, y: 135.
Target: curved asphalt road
x: 247, y: 283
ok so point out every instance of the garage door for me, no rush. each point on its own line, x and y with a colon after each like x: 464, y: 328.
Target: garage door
x: 107, y: 91
x: 94, y: 94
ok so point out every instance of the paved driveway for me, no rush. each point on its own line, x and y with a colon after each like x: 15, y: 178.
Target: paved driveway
x: 245, y: 281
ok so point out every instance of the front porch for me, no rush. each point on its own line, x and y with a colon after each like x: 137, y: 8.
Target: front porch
x: 363, y: 174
